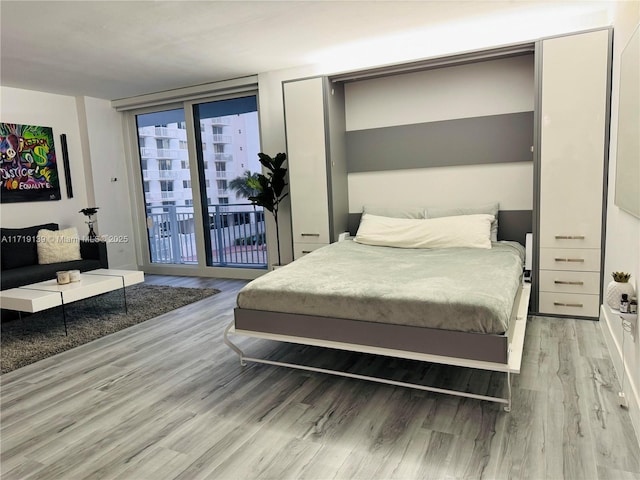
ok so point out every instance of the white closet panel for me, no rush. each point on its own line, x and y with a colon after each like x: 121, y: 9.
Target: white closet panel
x: 314, y: 121
x: 573, y: 123
x: 574, y: 95
x: 306, y: 149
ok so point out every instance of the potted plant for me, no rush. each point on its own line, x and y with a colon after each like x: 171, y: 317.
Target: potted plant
x: 270, y: 188
x: 619, y: 285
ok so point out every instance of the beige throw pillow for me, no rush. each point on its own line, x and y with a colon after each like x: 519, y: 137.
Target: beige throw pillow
x: 55, y: 246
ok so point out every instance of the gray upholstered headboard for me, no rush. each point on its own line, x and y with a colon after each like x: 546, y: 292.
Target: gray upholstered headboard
x: 512, y: 224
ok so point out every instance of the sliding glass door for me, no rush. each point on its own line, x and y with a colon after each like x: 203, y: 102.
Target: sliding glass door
x: 216, y: 176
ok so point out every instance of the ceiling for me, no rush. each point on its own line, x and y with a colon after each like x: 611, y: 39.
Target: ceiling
x: 118, y: 49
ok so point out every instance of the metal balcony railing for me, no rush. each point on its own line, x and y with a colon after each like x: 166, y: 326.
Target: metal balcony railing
x: 166, y: 132
x: 147, y: 152
x: 220, y: 121
x: 237, y: 235
x: 167, y: 153
x: 217, y: 138
x: 223, y: 157
x: 161, y: 174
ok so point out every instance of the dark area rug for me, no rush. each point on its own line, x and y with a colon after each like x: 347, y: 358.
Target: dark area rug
x: 41, y: 335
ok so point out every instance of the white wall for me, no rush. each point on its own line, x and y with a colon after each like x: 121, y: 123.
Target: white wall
x: 509, y: 184
x: 58, y: 112
x: 94, y: 141
x: 106, y: 157
x: 272, y: 141
x: 473, y: 90
x: 622, y: 250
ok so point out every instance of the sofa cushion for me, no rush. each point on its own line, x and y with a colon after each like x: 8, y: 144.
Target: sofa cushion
x: 55, y: 246
x: 19, y: 245
x: 19, y: 277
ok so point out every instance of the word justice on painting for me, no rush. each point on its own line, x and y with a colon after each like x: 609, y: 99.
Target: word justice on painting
x: 11, y: 177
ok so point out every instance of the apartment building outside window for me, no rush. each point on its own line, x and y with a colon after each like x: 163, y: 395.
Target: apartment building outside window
x: 169, y: 170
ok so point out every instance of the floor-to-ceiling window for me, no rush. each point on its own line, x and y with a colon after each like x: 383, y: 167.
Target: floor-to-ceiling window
x: 208, y: 187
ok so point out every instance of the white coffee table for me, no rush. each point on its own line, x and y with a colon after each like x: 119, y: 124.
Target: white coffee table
x: 48, y: 294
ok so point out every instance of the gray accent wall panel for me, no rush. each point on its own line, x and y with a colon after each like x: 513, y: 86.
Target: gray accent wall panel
x: 466, y: 141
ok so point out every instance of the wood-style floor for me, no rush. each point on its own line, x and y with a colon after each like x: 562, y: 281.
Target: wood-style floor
x: 166, y: 399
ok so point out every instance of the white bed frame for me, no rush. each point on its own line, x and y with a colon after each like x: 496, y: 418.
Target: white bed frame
x: 516, y: 334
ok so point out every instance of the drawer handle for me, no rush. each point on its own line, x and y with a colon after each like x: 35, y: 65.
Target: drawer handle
x: 569, y: 237
x: 560, y: 304
x: 309, y: 234
x: 306, y: 251
x: 579, y: 260
x: 564, y: 282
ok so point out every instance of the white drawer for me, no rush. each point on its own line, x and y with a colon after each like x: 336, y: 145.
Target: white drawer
x: 570, y: 282
x: 312, y: 234
x: 587, y: 235
x: 301, y: 249
x: 570, y: 304
x: 576, y: 259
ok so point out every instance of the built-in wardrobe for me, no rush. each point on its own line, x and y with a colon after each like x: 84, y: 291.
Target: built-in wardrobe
x: 562, y: 137
x: 573, y: 151
x: 314, y: 117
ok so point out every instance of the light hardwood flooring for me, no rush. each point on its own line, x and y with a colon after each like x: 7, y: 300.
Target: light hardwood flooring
x: 166, y: 399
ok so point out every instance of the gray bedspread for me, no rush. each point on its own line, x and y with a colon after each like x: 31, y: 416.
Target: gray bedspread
x: 463, y: 289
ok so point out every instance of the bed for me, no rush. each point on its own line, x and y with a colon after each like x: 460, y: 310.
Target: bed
x: 462, y: 306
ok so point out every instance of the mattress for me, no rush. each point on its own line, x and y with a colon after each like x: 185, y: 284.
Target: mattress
x: 460, y: 289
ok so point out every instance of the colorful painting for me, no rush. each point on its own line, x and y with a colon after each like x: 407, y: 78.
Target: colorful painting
x: 28, y: 168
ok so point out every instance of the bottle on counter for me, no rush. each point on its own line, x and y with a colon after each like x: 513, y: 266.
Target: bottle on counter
x: 633, y: 305
x: 624, y: 303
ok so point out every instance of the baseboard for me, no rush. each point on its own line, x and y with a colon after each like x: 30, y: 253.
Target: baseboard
x: 631, y: 388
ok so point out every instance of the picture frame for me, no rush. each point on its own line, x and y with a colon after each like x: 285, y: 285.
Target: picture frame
x: 28, y: 164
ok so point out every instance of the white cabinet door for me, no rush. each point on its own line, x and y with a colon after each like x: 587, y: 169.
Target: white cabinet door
x: 572, y: 148
x: 306, y: 148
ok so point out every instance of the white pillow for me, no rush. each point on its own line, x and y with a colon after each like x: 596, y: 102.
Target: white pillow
x: 444, y: 232
x: 488, y: 208
x: 55, y: 246
x: 395, y: 212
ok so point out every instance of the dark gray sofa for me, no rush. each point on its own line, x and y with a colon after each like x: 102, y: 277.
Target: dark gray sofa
x: 19, y: 257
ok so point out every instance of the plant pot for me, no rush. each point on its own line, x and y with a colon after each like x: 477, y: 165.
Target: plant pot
x: 615, y: 291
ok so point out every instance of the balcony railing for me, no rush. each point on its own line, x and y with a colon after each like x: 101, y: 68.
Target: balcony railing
x: 217, y: 138
x: 147, y: 152
x: 166, y: 132
x: 160, y: 174
x: 220, y: 121
x: 221, y: 174
x: 223, y: 157
x: 237, y: 235
x: 167, y: 153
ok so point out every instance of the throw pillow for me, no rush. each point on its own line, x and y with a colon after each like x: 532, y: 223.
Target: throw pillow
x: 58, y: 246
